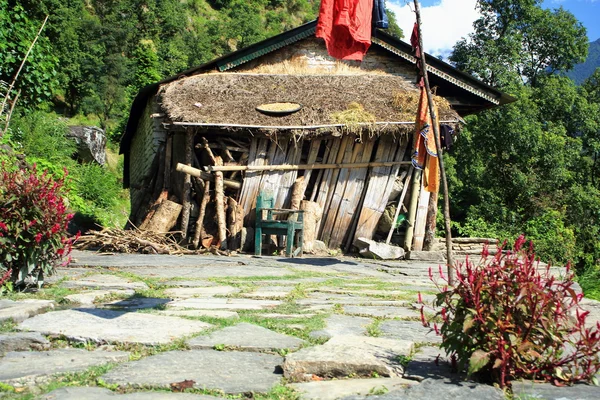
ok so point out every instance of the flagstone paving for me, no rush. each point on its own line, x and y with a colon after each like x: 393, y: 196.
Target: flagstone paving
x: 108, y: 326
x: 148, y: 324
x: 22, y: 368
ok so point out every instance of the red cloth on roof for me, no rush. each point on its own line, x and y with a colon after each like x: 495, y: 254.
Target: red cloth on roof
x: 346, y: 27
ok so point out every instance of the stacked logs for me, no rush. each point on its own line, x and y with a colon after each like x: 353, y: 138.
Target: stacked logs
x: 207, y: 214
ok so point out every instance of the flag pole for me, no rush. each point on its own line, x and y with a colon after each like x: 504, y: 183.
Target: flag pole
x: 438, y: 146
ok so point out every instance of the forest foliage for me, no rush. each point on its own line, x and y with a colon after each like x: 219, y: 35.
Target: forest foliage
x: 528, y: 167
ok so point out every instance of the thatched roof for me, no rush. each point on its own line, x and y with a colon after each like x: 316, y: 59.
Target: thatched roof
x: 222, y: 99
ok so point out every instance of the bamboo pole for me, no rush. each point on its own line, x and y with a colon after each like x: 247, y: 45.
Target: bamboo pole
x: 294, y: 167
x: 399, y: 206
x: 206, y: 176
x: 438, y: 146
x: 12, y: 83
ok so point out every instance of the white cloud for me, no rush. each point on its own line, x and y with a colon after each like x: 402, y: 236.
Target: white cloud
x: 444, y: 23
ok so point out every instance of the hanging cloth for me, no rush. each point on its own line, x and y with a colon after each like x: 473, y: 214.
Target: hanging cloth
x: 345, y: 25
x: 380, y: 18
x: 424, y: 151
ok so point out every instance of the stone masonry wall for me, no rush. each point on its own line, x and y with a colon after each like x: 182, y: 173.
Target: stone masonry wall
x: 144, y: 146
x: 313, y: 52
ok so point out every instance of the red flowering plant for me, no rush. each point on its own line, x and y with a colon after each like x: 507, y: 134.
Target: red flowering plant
x: 33, y: 224
x: 508, y: 318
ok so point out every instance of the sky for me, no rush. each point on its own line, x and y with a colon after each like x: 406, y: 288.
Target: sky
x: 447, y: 21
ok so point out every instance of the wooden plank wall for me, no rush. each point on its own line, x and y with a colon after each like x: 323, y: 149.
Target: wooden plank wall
x: 337, y: 191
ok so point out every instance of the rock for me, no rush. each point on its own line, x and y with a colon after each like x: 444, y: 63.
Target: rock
x: 382, y: 312
x: 138, y: 303
x: 108, y: 326
x: 547, y: 391
x: 104, y: 281
x: 332, y: 390
x: 320, y: 248
x: 223, y: 304
x: 21, y: 310
x: 98, y: 393
x: 284, y: 316
x: 232, y: 372
x: 185, y: 293
x: 91, y: 143
x: 29, y: 368
x: 200, y: 313
x: 347, y: 355
x: 368, y: 248
x: 188, y: 283
x: 88, y: 298
x: 440, y: 390
x: 21, y: 341
x: 247, y: 337
x: 433, y: 256
x: 408, y: 330
x: 423, y: 365
x: 269, y: 292
x: 343, y: 325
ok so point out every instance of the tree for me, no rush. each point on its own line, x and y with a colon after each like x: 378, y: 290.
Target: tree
x: 528, y: 167
x: 523, y: 40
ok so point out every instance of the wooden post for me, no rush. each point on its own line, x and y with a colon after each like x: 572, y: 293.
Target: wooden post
x: 430, y: 224
x: 200, y: 221
x: 187, y: 184
x: 168, y: 156
x: 399, y: 206
x: 438, y: 146
x: 412, y: 208
x: 220, y: 200
x: 206, y: 176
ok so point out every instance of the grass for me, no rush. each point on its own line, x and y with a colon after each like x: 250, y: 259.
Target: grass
x: 373, y: 329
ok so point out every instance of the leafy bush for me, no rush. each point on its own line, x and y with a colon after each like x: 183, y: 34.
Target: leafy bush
x: 33, y: 224
x: 506, y: 319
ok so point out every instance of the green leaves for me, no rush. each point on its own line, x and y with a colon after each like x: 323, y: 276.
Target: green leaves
x: 478, y: 360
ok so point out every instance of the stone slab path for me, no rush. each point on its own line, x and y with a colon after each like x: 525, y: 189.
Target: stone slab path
x: 107, y: 326
x: 21, y: 368
x: 231, y: 372
x: 143, y: 326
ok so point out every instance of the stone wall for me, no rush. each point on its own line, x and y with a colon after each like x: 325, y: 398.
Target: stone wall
x: 149, y: 136
x: 313, y: 53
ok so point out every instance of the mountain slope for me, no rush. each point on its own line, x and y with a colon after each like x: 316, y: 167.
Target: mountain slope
x: 584, y: 70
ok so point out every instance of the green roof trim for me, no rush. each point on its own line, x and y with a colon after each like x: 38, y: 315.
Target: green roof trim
x: 266, y: 47
x: 435, y: 71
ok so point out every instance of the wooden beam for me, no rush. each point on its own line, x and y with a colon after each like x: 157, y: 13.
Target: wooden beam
x: 206, y: 176
x: 304, y: 166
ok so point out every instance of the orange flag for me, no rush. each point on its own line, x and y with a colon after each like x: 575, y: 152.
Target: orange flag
x: 425, y: 155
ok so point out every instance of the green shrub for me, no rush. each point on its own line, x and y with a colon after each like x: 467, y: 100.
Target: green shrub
x: 505, y: 319
x: 42, y: 135
x: 33, y: 224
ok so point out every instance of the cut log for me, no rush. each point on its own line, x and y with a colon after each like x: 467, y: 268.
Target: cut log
x: 165, y: 217
x: 235, y: 223
x: 200, y: 221
x: 297, y: 193
x: 312, y: 217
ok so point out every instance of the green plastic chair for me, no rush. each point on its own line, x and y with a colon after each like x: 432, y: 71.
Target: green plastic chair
x: 292, y: 227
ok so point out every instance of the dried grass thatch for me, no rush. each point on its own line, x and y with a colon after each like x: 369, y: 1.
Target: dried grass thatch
x: 231, y: 98
x: 406, y: 103
x: 354, y: 114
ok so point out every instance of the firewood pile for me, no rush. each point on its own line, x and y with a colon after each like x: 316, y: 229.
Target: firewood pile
x: 132, y: 241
